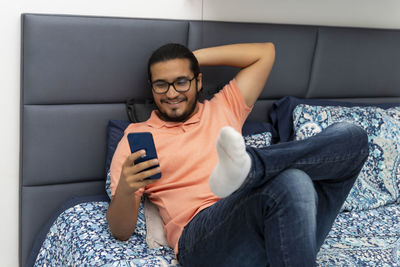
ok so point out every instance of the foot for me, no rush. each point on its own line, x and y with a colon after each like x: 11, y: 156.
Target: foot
x: 233, y: 163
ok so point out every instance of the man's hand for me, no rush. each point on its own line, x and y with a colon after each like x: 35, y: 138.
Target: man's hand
x: 124, y: 206
x: 132, y: 175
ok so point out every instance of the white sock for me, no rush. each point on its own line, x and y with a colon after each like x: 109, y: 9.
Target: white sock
x: 233, y: 163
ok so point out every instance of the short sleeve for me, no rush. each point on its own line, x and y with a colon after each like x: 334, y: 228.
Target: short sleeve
x: 232, y: 98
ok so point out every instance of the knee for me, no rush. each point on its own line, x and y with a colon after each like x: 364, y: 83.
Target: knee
x: 358, y: 142
x: 356, y: 136
x: 295, y: 190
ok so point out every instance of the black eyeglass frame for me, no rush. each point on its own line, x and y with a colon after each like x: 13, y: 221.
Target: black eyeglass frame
x: 169, y: 85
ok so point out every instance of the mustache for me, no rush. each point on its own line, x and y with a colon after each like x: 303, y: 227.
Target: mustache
x: 173, y: 99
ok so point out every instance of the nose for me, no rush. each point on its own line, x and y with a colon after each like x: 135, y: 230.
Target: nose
x: 171, y: 93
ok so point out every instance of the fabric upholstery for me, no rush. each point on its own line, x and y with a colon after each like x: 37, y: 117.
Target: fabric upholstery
x: 75, y: 59
x: 294, y: 50
x: 69, y: 140
x: 353, y: 62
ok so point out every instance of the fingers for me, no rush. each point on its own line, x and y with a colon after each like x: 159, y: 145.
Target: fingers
x: 138, y: 169
x: 145, y: 182
x: 143, y: 175
x: 135, y: 172
x: 135, y: 168
x: 145, y: 165
x: 137, y: 180
x: 134, y: 156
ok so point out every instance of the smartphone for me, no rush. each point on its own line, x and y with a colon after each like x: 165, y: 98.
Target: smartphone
x: 144, y: 140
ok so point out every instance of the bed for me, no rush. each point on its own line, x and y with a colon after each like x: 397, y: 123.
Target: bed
x: 77, y: 73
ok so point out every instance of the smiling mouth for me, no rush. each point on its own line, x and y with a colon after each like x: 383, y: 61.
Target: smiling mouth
x: 173, y: 102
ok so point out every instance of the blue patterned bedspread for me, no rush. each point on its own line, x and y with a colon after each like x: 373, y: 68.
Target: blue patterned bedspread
x: 80, y: 237
x: 364, y: 238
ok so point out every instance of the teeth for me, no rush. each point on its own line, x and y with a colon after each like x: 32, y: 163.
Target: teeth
x: 172, y: 102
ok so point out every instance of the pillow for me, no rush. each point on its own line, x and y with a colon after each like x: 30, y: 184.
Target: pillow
x: 258, y: 140
x: 257, y: 135
x: 281, y: 112
x: 379, y: 180
x: 115, y: 131
x: 251, y: 128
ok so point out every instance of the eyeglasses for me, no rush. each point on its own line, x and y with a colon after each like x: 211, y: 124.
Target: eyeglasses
x: 180, y: 85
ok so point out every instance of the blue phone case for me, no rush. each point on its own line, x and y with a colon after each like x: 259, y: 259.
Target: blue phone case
x: 144, y: 140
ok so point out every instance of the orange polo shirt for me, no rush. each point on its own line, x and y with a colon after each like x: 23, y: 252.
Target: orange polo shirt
x: 187, y: 155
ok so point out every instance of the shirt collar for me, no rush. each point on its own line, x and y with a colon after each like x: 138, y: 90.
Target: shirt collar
x: 155, y: 121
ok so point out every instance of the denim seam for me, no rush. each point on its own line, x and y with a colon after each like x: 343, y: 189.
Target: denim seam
x: 223, y: 221
x: 281, y: 231
x: 282, y: 245
x: 337, y: 158
x: 317, y: 160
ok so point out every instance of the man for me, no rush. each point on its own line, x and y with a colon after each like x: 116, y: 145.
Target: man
x: 223, y: 204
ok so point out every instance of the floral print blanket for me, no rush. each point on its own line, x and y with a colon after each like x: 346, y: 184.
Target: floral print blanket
x: 80, y: 237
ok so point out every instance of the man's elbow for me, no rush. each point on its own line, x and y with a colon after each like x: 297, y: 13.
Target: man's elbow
x: 120, y: 231
x: 121, y: 236
x: 269, y: 50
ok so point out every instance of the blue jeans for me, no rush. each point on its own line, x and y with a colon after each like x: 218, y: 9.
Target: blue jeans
x: 284, y: 210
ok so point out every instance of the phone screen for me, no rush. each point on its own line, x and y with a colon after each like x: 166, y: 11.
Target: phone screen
x: 144, y: 140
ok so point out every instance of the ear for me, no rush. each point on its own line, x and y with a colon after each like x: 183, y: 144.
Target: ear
x: 199, y: 82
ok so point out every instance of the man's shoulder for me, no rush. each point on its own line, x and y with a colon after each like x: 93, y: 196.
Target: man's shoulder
x: 137, y: 127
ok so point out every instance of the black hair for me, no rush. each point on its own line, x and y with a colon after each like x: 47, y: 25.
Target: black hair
x: 173, y: 51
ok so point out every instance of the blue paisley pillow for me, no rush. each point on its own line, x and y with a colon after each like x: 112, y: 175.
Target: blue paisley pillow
x: 379, y: 180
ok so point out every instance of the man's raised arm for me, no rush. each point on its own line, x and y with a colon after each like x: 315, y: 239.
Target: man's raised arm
x: 254, y: 59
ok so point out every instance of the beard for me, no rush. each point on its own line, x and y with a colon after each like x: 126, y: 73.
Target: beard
x: 184, y: 116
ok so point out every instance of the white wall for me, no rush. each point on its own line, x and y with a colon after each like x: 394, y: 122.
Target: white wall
x: 356, y: 13
x: 359, y: 13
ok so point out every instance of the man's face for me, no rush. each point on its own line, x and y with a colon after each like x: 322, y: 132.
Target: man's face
x: 173, y: 105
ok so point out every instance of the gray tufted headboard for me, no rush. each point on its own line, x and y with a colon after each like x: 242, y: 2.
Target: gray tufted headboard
x: 77, y: 72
